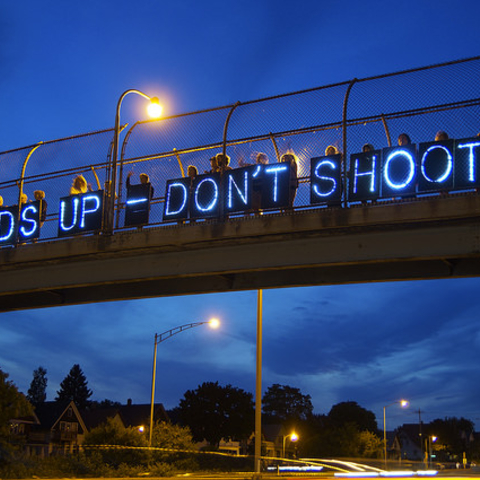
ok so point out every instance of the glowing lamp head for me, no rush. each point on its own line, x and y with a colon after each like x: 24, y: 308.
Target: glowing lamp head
x: 154, y: 109
x: 293, y: 437
x: 404, y: 403
x: 214, y: 323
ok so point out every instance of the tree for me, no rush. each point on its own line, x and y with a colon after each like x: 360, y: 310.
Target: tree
x: 13, y: 405
x: 106, y: 403
x: 214, y: 412
x: 174, y: 444
x: 283, y: 403
x: 74, y: 387
x: 112, y: 432
x: 453, y: 436
x: 37, y: 393
x: 370, y: 445
x: 166, y: 435
x: 352, y: 412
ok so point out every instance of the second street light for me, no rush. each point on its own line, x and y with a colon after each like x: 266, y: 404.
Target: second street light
x: 293, y: 438
x: 428, y: 449
x: 154, y: 110
x: 403, y: 404
x: 159, y: 338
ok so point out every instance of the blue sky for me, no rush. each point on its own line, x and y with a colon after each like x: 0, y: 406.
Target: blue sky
x: 63, y: 70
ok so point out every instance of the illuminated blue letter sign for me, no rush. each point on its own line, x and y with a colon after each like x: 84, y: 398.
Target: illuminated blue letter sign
x: 363, y: 176
x: 467, y: 154
x: 80, y: 213
x: 8, y: 225
x: 436, y: 166
x: 137, y: 205
x: 29, y: 227
x: 326, y: 180
x: 276, y: 185
x: 237, y: 185
x: 399, y: 171
x: 177, y: 197
x: 206, y: 196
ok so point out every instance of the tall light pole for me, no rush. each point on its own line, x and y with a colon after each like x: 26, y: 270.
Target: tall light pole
x: 159, y: 338
x: 258, y: 387
x: 403, y: 404
x: 293, y: 438
x: 154, y: 110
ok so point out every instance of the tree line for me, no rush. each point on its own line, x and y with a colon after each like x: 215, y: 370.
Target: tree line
x: 213, y: 412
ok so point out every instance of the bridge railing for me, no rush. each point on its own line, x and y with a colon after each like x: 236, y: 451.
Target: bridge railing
x: 347, y: 115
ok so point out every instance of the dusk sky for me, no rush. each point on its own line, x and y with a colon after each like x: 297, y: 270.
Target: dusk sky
x: 63, y: 68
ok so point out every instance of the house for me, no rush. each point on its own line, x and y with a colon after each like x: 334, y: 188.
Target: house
x: 138, y: 416
x: 20, y: 427
x: 407, y: 443
x: 60, y: 429
x: 129, y: 415
x: 275, y: 442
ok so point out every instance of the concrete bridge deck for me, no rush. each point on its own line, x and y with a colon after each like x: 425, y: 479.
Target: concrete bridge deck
x: 438, y: 237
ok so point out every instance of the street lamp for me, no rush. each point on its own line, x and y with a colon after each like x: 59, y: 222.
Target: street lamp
x: 428, y: 448
x: 403, y: 404
x: 159, y: 338
x: 155, y: 111
x: 293, y: 438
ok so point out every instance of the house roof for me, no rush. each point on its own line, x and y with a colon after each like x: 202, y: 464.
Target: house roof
x: 98, y: 416
x: 29, y: 419
x: 272, y: 432
x: 131, y: 415
x: 50, y: 413
x: 135, y: 415
x: 412, y: 431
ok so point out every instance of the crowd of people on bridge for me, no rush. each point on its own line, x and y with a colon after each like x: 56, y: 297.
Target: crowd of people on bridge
x: 219, y: 163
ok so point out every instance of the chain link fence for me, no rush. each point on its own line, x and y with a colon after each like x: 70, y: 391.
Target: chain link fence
x: 346, y: 115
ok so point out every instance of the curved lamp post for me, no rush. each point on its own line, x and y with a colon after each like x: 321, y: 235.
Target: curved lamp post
x: 159, y: 338
x: 403, y: 404
x: 154, y: 110
x: 293, y: 438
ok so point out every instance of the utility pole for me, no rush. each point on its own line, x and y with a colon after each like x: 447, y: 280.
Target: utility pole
x: 420, y: 435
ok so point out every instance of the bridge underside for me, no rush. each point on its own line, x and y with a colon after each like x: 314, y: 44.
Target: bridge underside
x: 421, y: 239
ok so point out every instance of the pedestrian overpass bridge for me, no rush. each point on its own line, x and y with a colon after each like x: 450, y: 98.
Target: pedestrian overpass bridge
x: 423, y: 239
x: 399, y: 216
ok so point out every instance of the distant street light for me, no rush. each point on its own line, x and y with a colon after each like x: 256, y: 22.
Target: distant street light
x: 428, y: 448
x: 159, y: 338
x: 293, y: 438
x: 154, y: 110
x: 403, y: 404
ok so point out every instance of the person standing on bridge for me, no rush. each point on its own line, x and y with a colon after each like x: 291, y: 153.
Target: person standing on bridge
x: 137, y: 213
x: 223, y: 162
x: 39, y: 195
x: 441, y: 136
x: 331, y: 150
x: 403, y: 140
x: 144, y: 180
x: 80, y: 185
x: 213, y: 165
x: 257, y: 185
x: 192, y: 172
x: 292, y: 160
